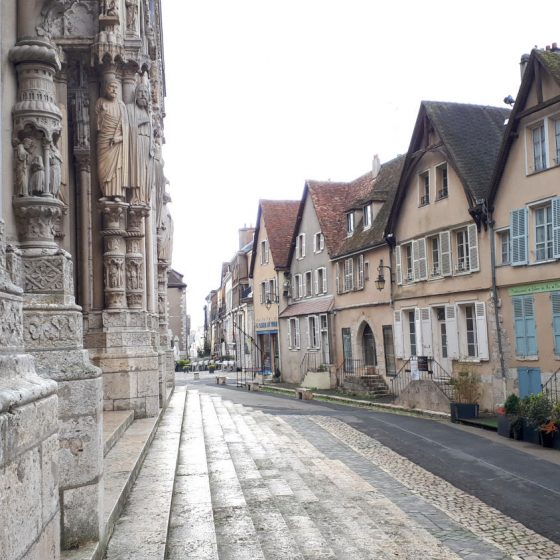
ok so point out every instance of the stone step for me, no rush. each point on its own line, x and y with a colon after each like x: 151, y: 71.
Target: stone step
x: 121, y: 466
x: 141, y: 530
x: 115, y: 424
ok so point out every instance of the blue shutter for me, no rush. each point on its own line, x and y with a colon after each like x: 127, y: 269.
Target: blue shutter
x: 523, y: 382
x: 555, y: 298
x: 534, y: 375
x: 525, y: 328
x: 530, y: 328
x: 519, y: 326
x: 556, y: 227
x: 518, y: 229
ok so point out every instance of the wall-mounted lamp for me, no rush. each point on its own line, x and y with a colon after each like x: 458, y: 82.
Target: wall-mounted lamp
x: 268, y: 303
x: 380, y: 280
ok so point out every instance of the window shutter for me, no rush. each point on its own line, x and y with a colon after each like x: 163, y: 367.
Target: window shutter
x: 317, y: 338
x: 309, y: 329
x: 361, y: 271
x: 518, y: 228
x: 298, y: 249
x: 530, y: 329
x: 324, y: 280
x: 303, y: 244
x: 556, y: 227
x: 418, y: 329
x: 398, y: 264
x: 422, y: 260
x: 415, y: 260
x: 451, y: 331
x: 519, y: 326
x: 473, y: 248
x: 426, y: 320
x: 398, y: 335
x: 445, y: 248
x: 555, y: 299
x: 316, y: 274
x: 300, y: 285
x: 296, y: 323
x: 338, y: 278
x: 289, y: 333
x: 481, y: 330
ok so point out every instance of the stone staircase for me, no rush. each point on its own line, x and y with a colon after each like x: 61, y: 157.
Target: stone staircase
x: 372, y: 384
x: 241, y: 484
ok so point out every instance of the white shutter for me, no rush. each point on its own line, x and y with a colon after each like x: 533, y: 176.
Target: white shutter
x: 300, y: 285
x: 556, y: 227
x: 473, y: 248
x: 398, y: 264
x: 324, y: 280
x: 309, y: 339
x: 289, y: 333
x: 451, y: 331
x: 415, y: 260
x: 296, y: 322
x: 338, y: 277
x: 361, y: 271
x: 518, y: 229
x: 399, y: 350
x: 445, y: 248
x: 317, y: 338
x: 303, y: 244
x: 481, y: 330
x: 316, y: 282
x: 426, y: 320
x: 298, y: 250
x: 418, y: 330
x: 422, y: 261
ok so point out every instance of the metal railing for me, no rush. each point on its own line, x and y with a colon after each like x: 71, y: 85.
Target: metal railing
x: 312, y: 362
x: 354, y: 368
x: 552, y: 387
x: 435, y: 373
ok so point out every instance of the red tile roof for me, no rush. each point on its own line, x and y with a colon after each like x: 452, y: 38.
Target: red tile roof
x: 279, y: 218
x: 315, y: 305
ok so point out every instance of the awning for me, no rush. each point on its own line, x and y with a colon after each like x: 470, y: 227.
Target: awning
x: 275, y: 331
x: 309, y: 307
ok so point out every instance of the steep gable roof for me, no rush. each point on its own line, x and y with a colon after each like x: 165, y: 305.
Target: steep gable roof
x: 547, y: 61
x: 279, y: 217
x: 175, y: 279
x: 470, y: 136
x: 381, y: 189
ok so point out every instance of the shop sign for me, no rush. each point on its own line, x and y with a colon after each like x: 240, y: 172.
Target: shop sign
x: 534, y: 288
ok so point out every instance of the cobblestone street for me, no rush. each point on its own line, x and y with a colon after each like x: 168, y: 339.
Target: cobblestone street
x: 273, y: 485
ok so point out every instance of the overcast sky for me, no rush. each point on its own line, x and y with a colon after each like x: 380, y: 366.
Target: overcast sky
x: 262, y: 95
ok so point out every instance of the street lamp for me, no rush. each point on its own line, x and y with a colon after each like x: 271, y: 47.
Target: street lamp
x: 380, y: 280
x: 268, y: 303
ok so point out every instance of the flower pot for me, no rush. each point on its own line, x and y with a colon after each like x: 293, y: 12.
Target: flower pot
x: 504, y: 426
x: 547, y: 439
x: 530, y: 433
x: 463, y: 411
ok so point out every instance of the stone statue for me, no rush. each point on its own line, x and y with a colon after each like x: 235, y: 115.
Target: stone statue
x: 141, y: 154
x: 131, y: 15
x: 111, y: 8
x: 55, y: 179
x: 22, y: 152
x: 165, y: 235
x: 112, y: 143
x: 37, y: 183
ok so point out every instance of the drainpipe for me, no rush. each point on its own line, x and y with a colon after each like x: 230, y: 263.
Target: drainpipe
x: 495, y: 297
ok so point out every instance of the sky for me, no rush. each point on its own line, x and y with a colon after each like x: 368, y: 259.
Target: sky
x: 263, y: 95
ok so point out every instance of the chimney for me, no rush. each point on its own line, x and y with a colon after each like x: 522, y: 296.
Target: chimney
x: 523, y: 63
x: 375, y: 166
x: 245, y: 236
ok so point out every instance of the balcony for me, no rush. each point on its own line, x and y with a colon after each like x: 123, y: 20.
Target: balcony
x: 462, y: 265
x: 424, y: 200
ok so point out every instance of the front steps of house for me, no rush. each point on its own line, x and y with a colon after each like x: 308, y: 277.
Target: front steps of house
x: 240, y: 484
x: 373, y: 384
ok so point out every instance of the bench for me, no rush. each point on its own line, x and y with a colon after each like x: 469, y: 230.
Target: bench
x: 221, y: 379
x: 253, y: 386
x: 303, y: 394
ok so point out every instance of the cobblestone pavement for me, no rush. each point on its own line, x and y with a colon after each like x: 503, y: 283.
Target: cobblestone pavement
x: 471, y: 526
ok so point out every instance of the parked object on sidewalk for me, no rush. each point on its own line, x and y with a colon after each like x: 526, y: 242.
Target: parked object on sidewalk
x: 303, y: 394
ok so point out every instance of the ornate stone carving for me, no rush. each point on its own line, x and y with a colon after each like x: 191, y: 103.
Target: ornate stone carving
x: 67, y: 18
x: 22, y: 154
x: 165, y: 235
x: 45, y: 330
x: 37, y: 219
x: 11, y: 328
x: 112, y: 143
x: 132, y: 16
x: 141, y: 146
x: 43, y: 274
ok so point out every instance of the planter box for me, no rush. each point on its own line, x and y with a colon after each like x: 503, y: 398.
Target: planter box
x: 464, y: 411
x: 547, y: 440
x: 504, y: 426
x: 530, y: 433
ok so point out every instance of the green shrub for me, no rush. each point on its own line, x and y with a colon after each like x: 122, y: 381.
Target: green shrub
x: 512, y: 404
x: 537, y: 409
x: 467, y: 387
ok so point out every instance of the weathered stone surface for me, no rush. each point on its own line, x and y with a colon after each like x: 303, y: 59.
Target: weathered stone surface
x: 79, y: 397
x: 49, y: 481
x: 82, y: 521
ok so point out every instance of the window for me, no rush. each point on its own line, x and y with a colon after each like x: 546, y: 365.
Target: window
x: 264, y: 252
x: 263, y: 291
x: 555, y: 300
x: 348, y: 275
x: 504, y: 246
x: 360, y: 275
x: 470, y: 331
x: 411, y: 331
x: 272, y: 290
x: 300, y: 246
x: 308, y: 284
x: 425, y: 188
x: 434, y: 250
x: 468, y: 321
x: 557, y: 140
x: 293, y: 334
x: 524, y: 326
x: 367, y: 216
x: 318, y: 242
x: 313, y: 332
x: 543, y: 233
x: 442, y: 181
x: 321, y: 280
x: 462, y: 240
x: 409, y: 273
x: 297, y: 287
x: 539, y: 147
x: 350, y: 223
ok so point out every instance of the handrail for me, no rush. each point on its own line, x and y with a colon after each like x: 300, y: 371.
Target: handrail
x: 552, y: 387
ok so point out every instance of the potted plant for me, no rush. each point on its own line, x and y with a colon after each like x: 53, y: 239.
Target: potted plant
x: 509, y: 422
x: 466, y: 387
x: 537, y: 410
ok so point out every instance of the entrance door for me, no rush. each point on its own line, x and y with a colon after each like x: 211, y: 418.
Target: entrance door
x: 347, y: 350
x: 440, y: 341
x: 389, y: 349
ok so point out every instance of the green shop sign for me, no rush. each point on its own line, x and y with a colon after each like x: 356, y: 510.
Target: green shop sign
x: 534, y: 288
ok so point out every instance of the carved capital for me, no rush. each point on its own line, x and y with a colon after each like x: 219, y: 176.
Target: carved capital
x: 114, y: 215
x: 37, y: 219
x: 83, y: 160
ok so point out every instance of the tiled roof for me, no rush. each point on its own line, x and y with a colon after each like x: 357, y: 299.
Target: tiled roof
x: 472, y: 135
x: 279, y: 217
x: 330, y: 201
x: 383, y: 190
x: 551, y: 61
x: 315, y: 305
x: 175, y: 279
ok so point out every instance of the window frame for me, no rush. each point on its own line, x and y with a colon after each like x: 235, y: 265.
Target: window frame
x: 424, y: 188
x: 367, y: 216
x: 318, y: 242
x: 264, y: 251
x: 300, y: 246
x: 350, y: 223
x: 442, y: 181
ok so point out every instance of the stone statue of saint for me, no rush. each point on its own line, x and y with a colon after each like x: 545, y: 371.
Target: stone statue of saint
x: 112, y: 143
x: 141, y: 165
x: 22, y: 152
x: 131, y: 15
x: 37, y: 183
x: 55, y: 179
x: 165, y: 236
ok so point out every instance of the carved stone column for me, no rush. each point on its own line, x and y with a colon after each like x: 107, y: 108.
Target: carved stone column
x: 164, y: 340
x: 52, y: 322
x: 135, y: 269
x: 114, y: 233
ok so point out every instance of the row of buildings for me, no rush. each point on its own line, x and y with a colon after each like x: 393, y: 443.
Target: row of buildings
x: 449, y: 252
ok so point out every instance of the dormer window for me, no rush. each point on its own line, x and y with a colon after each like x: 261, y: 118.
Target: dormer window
x: 367, y: 216
x: 350, y: 223
x: 539, y: 147
x: 264, y: 252
x: 442, y: 181
x: 424, y: 187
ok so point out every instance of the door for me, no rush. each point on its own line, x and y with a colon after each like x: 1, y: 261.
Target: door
x: 441, y: 353
x: 529, y: 381
x: 347, y: 350
x: 389, y: 349
x: 325, y: 350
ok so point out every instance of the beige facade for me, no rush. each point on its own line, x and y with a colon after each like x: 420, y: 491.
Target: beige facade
x: 84, y: 251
